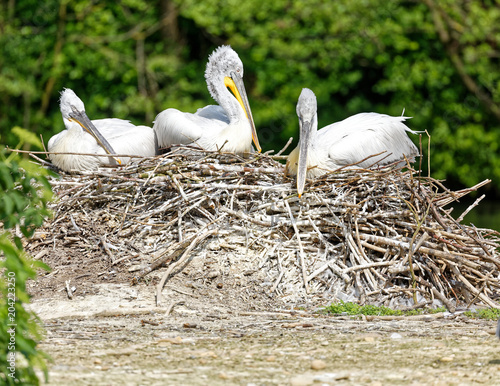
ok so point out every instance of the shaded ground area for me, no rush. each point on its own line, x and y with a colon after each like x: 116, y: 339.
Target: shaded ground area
x: 114, y: 334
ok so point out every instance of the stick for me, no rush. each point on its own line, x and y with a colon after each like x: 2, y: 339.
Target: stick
x: 125, y: 258
x: 335, y: 269
x: 172, y: 305
x: 301, y: 250
x: 282, y: 272
x: 443, y: 299
x: 181, y: 261
x: 368, y: 265
x: 68, y: 290
x: 285, y: 147
x: 473, y: 289
x: 238, y: 169
x: 453, y: 256
x: 245, y: 217
x: 166, y: 258
x: 106, y: 248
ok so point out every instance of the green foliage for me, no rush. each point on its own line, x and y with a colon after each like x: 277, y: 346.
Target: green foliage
x: 484, y: 313
x: 24, y: 194
x: 134, y: 58
x: 348, y: 308
x: 26, y: 137
x: 19, y: 328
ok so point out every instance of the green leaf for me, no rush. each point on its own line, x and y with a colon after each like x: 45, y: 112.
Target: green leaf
x: 26, y: 136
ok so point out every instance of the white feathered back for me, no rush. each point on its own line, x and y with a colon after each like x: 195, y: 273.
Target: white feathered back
x: 365, y: 134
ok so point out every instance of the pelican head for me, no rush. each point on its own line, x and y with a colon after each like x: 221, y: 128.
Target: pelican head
x: 308, y: 124
x: 225, y: 67
x: 73, y: 110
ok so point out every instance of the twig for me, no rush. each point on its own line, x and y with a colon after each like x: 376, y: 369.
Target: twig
x: 368, y: 265
x: 181, y: 261
x: 68, y: 290
x: 301, y: 250
x: 282, y: 272
x: 106, y: 248
x: 284, y: 147
x: 476, y: 203
x: 125, y: 258
x: 172, y: 305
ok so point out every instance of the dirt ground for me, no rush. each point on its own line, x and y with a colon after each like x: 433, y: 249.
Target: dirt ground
x: 227, y: 331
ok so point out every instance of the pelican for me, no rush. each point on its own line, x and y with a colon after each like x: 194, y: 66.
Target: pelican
x: 346, y: 142
x: 228, y: 126
x: 100, y: 136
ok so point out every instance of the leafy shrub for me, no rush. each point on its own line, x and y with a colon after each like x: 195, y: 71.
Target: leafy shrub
x: 24, y: 194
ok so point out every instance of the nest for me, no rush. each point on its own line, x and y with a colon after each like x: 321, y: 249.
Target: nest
x: 370, y: 236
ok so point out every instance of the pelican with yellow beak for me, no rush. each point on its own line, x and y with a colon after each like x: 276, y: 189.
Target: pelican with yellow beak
x: 101, y: 136
x: 354, y: 142
x: 228, y: 127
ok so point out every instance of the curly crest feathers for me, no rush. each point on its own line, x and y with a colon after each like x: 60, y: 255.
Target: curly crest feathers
x: 220, y: 64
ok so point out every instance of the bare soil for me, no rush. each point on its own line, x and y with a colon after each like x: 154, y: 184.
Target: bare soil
x: 218, y: 327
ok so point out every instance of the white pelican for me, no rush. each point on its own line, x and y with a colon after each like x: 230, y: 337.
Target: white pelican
x: 100, y: 136
x: 346, y: 142
x: 229, y: 126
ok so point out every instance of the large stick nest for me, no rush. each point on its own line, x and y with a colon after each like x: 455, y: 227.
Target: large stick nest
x: 371, y: 236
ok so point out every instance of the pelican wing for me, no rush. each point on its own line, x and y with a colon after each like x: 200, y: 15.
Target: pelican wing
x: 175, y: 127
x: 74, y: 140
x: 214, y: 112
x: 127, y: 138
x: 366, y: 134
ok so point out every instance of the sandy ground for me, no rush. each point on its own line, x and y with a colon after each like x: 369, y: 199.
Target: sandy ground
x: 114, y: 334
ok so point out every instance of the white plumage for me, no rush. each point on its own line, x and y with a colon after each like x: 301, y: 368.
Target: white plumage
x: 100, y: 136
x: 229, y: 126
x: 346, y: 142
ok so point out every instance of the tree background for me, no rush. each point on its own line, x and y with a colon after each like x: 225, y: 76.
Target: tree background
x: 132, y: 59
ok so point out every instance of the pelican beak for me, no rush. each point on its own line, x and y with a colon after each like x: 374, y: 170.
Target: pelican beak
x: 304, y: 141
x: 83, y: 120
x: 235, y: 84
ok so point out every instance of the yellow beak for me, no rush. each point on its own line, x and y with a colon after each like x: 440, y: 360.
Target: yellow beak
x: 235, y: 84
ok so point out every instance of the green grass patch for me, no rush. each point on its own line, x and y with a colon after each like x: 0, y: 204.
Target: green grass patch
x: 484, y: 313
x: 348, y: 308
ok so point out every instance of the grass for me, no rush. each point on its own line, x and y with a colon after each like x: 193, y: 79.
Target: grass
x: 484, y: 313
x: 348, y: 308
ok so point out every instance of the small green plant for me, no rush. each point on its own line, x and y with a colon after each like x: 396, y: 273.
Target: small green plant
x: 349, y: 308
x: 484, y: 313
x: 24, y: 193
